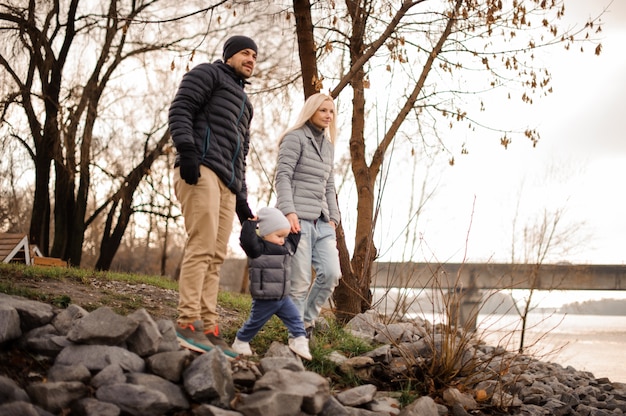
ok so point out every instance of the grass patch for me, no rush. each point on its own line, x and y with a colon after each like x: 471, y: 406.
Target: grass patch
x: 83, y: 276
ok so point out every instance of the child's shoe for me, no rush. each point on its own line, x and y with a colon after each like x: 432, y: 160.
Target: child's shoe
x: 300, y: 345
x: 241, y: 347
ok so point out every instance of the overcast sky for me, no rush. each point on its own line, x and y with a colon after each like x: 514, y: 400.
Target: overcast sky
x: 579, y: 165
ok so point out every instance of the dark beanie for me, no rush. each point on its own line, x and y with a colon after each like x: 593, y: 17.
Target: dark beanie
x: 235, y: 44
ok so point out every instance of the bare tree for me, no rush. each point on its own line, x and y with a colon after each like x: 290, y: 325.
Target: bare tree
x: 548, y: 237
x: 432, y: 48
x: 60, y: 60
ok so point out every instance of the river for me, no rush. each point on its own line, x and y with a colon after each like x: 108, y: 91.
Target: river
x: 594, y: 343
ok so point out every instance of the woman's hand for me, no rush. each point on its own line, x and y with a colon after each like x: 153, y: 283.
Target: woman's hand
x: 292, y: 217
x: 332, y: 224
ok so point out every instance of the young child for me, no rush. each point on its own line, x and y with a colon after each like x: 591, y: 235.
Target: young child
x: 269, y: 249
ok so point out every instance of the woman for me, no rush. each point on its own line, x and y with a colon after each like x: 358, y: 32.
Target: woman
x: 305, y: 189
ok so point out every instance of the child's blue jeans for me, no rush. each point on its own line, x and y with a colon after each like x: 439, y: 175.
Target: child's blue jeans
x: 262, y: 311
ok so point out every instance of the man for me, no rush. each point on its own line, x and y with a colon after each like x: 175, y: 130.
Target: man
x: 209, y: 120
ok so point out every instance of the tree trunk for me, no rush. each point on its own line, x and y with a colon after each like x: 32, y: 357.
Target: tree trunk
x: 308, y: 61
x: 354, y: 294
x: 39, y: 233
x: 63, y: 209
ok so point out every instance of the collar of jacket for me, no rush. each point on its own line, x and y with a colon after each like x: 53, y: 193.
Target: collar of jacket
x: 310, y: 134
x: 231, y: 72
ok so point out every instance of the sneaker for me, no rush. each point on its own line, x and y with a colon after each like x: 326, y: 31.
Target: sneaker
x: 241, y: 347
x: 190, y: 336
x: 300, y: 345
x: 215, y: 339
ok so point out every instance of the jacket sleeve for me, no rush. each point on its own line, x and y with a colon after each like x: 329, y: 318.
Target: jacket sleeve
x: 249, y: 239
x: 193, y: 92
x: 292, y: 241
x: 331, y: 194
x: 289, y: 153
x: 242, y: 208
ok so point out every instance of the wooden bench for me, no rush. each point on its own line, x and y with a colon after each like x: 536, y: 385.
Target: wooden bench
x: 49, y: 261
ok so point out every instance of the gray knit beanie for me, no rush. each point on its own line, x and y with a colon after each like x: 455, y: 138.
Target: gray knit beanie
x: 237, y: 43
x: 271, y: 220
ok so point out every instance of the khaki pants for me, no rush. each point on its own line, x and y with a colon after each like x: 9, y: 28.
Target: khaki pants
x: 208, y: 209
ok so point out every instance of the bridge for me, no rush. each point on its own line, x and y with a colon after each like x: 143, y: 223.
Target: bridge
x: 462, y: 282
x: 468, y: 276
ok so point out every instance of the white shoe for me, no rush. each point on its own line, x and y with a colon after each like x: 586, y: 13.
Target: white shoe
x: 241, y: 347
x: 300, y: 345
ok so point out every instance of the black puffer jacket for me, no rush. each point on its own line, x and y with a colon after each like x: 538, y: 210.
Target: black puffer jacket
x: 211, y: 114
x: 269, y: 264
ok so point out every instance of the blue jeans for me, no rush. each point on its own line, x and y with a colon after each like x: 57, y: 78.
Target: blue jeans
x: 262, y: 311
x: 318, y: 250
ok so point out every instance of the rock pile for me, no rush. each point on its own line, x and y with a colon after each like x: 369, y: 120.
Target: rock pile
x: 106, y: 364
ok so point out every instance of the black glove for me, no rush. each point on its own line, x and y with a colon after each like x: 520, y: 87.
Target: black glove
x: 189, y: 167
x: 243, y: 210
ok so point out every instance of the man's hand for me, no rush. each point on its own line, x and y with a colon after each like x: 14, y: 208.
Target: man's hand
x: 189, y: 168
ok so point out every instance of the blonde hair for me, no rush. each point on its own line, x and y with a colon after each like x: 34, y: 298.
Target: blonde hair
x: 310, y: 107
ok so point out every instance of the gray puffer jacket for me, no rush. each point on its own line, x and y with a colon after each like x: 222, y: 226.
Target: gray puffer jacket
x: 305, y: 182
x: 211, y: 114
x: 269, y: 264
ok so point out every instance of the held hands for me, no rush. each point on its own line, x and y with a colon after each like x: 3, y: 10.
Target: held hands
x: 292, y: 217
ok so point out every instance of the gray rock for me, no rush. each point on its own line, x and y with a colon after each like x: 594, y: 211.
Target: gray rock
x: 9, y: 323
x: 102, y: 326
x: 270, y: 402
x: 453, y: 396
x: 11, y: 392
x: 333, y: 407
x: 393, y: 333
x: 69, y: 373
x: 173, y: 392
x: 41, y: 340
x: 64, y: 320
x: 147, y: 338
x: 55, y: 396
x: 32, y: 314
x: 168, y: 332
x: 278, y: 350
x: 312, y: 388
x: 111, y: 374
x: 357, y: 396
x: 94, y: 407
x: 268, y: 364
x: 424, y: 406
x: 208, y: 379
x: 22, y: 409
x: 366, y: 324
x: 96, y: 357
x: 134, y: 399
x: 169, y: 364
x: 208, y: 410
